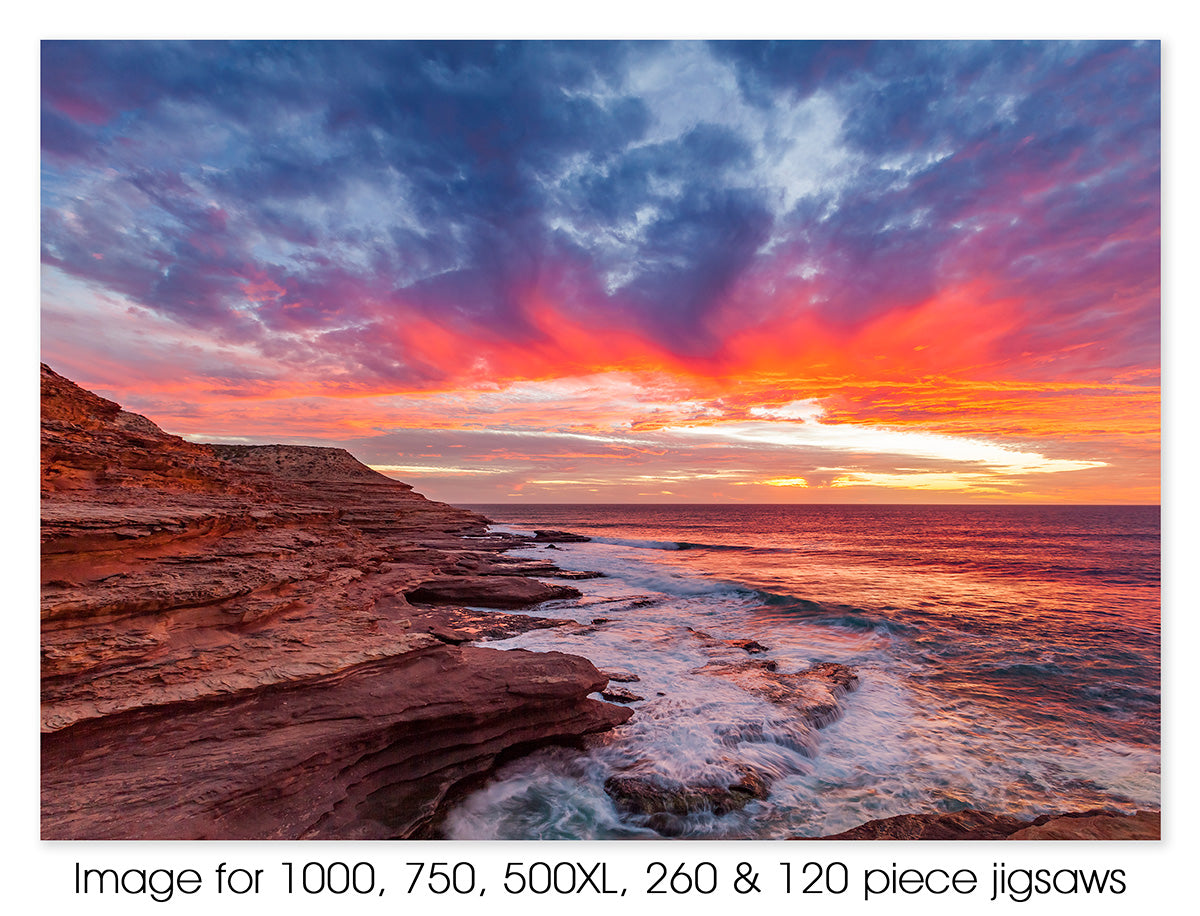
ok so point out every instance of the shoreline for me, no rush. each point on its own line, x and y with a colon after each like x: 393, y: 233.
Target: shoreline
x: 286, y: 628
x: 228, y: 650
x: 968, y: 823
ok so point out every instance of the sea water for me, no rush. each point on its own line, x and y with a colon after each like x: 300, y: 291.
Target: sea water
x: 1008, y: 660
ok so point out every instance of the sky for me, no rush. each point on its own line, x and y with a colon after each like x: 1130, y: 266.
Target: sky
x: 623, y: 272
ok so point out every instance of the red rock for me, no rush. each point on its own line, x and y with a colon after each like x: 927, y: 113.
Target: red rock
x: 959, y: 825
x: 620, y: 677
x: 562, y: 537
x: 1094, y: 825
x: 981, y: 825
x: 227, y: 652
x: 751, y: 646
x: 90, y: 444
x: 655, y: 794
x: 620, y: 695
x: 457, y: 625
x: 488, y: 591
x: 370, y: 753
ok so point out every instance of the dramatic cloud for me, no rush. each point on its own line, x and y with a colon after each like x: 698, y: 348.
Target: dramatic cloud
x: 946, y: 242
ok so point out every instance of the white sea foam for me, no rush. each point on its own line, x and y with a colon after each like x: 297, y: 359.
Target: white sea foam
x: 922, y: 732
x: 634, y: 542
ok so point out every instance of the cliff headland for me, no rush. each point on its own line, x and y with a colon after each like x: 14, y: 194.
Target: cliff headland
x: 229, y: 648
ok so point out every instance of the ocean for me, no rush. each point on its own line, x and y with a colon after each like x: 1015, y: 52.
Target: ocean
x: 1008, y: 661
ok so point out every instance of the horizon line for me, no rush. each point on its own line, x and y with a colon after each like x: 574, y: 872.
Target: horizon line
x: 841, y: 504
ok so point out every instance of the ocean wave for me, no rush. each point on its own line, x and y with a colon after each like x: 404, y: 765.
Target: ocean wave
x: 635, y: 542
x: 779, y: 606
x: 1003, y: 669
x: 788, y: 602
x: 1028, y: 671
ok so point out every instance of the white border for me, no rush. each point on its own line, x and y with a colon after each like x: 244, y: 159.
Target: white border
x: 1158, y: 874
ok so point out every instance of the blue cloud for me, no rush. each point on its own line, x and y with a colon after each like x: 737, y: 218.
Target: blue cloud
x: 455, y: 176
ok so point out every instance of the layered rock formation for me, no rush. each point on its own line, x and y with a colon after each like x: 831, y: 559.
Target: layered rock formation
x: 981, y: 825
x: 227, y: 649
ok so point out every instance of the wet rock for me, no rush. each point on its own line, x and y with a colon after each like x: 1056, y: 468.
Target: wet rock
x: 1093, y: 825
x: 621, y: 677
x: 795, y: 736
x: 509, y: 566
x: 839, y: 677
x: 564, y: 537
x: 752, y: 646
x: 473, y: 626
x: 958, y: 825
x: 812, y: 696
x: 749, y: 645
x: 659, y: 795
x: 487, y: 591
x: 620, y: 695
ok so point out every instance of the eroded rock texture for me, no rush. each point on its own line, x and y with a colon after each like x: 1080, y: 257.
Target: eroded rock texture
x: 227, y: 649
x: 982, y: 825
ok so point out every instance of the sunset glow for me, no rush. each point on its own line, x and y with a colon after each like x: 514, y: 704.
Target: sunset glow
x: 619, y: 272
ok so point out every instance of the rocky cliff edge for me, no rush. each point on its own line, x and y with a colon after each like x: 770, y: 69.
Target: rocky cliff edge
x: 228, y: 652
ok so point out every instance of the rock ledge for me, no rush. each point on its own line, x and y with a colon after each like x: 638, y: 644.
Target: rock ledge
x: 228, y: 650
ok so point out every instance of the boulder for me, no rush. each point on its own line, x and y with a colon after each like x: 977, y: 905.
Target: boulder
x: 620, y: 695
x: 660, y: 795
x: 488, y: 591
x: 562, y: 537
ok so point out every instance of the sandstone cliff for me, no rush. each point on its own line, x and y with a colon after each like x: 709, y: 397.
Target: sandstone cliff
x: 228, y: 652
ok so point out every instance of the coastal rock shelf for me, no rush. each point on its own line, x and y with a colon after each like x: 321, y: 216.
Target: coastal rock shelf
x: 490, y: 591
x: 981, y: 825
x: 227, y: 649
x: 370, y: 753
